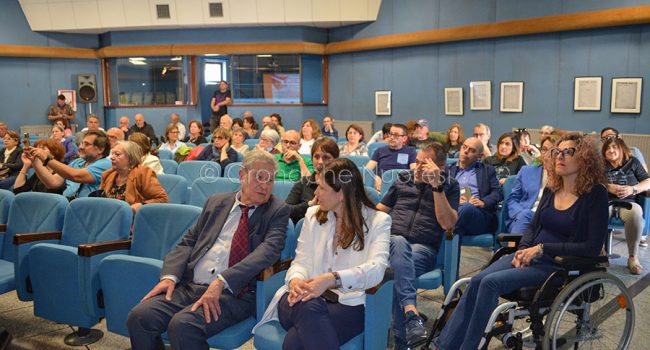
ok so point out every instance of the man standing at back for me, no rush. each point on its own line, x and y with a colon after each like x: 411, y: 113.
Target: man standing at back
x: 394, y: 156
x: 176, y: 120
x: 207, y: 283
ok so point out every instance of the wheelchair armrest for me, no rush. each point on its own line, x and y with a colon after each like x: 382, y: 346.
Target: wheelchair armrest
x: 580, y: 260
x: 620, y: 204
x: 272, y: 270
x: 3, y: 227
x: 23, y: 238
x: 499, y: 253
x: 97, y: 248
x: 509, y: 237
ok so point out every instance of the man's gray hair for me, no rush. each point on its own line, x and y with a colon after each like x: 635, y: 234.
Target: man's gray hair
x: 271, y: 134
x: 487, y: 128
x: 258, y: 155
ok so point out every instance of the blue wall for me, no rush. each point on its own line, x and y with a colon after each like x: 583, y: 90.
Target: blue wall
x: 546, y: 63
x: 28, y: 85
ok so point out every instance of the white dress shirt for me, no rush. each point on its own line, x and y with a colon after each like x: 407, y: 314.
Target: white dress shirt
x: 315, y: 255
x: 215, y: 261
x: 305, y: 147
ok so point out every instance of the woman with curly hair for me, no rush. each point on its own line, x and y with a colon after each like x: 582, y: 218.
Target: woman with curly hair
x: 626, y: 178
x: 571, y: 219
x: 309, y: 133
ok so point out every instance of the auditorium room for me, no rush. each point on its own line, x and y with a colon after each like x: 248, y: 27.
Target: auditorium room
x: 324, y: 174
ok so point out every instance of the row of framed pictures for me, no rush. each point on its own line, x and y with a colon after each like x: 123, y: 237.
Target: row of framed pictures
x: 626, y: 96
x: 480, y: 97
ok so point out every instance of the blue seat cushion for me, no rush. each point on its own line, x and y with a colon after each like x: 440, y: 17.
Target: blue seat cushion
x: 7, y: 281
x: 235, y: 336
x: 430, y: 280
x: 483, y: 240
x: 270, y: 336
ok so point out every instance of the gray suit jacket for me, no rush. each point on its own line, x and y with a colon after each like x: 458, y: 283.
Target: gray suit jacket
x: 267, y: 229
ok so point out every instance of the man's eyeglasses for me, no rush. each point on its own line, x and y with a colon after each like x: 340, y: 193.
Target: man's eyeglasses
x: 567, y: 152
x: 396, y: 135
x: 289, y: 142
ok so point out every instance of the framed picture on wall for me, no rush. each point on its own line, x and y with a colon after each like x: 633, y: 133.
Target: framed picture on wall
x: 382, y: 103
x: 626, y: 95
x: 587, y: 92
x: 454, y: 101
x: 70, y: 98
x: 480, y: 95
x: 512, y: 96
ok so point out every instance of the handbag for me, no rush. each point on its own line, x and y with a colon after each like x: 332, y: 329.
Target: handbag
x: 4, y: 172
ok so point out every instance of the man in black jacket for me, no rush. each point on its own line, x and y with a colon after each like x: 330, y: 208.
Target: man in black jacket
x: 142, y: 126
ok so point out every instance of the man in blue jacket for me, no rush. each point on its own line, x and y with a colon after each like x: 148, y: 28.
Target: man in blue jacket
x: 479, y: 188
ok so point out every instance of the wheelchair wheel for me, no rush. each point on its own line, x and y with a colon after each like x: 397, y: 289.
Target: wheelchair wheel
x: 594, y: 311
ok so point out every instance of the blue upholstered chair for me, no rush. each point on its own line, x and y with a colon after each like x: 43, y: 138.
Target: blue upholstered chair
x: 251, y: 143
x: 61, y: 279
x: 176, y: 187
x: 165, y: 154
x: 270, y: 336
x: 372, y: 194
x: 30, y: 212
x: 6, y: 198
x: 170, y: 167
x: 368, y: 176
x: 157, y: 230
x: 452, y: 161
x: 373, y: 146
x: 204, y: 188
x: 232, y: 170
x: 196, y: 169
x: 489, y: 239
x: 282, y: 189
x: 358, y: 160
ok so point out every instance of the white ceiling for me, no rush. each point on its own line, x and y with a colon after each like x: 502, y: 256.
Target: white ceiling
x: 100, y: 16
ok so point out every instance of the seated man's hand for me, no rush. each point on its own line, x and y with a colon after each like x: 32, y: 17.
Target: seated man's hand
x: 164, y: 286
x: 210, y: 301
x: 378, y: 183
x: 476, y: 202
x: 291, y: 155
x: 431, y: 173
x: 298, y: 290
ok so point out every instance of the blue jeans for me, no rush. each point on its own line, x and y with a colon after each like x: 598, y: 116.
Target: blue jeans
x: 408, y: 261
x: 521, y: 221
x: 474, y: 220
x: 467, y: 324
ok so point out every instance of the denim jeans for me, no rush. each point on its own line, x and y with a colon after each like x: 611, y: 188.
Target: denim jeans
x: 408, y: 261
x: 521, y: 221
x: 474, y: 220
x: 465, y: 328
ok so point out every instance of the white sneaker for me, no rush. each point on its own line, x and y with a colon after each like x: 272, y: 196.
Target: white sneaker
x: 644, y: 242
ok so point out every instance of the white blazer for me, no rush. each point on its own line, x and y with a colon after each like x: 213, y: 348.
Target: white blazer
x: 359, y: 270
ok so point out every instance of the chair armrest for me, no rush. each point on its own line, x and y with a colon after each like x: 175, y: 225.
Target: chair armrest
x: 509, y: 237
x: 580, y: 260
x: 620, y: 204
x: 97, y: 248
x: 499, y: 253
x: 3, y: 227
x: 23, y: 238
x: 272, y: 270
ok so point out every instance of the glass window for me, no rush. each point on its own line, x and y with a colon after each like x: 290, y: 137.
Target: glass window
x: 266, y: 78
x: 150, y: 81
x: 212, y: 73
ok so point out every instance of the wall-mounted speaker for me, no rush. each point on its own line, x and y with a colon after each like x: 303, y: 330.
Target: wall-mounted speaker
x: 87, y: 87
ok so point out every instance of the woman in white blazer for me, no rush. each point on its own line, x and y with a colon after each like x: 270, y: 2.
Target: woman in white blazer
x: 342, y: 249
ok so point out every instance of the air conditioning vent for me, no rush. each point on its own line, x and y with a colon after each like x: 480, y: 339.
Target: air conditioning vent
x: 216, y: 9
x: 162, y: 10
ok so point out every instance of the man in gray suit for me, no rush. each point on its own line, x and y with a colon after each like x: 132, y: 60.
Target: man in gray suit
x: 207, y: 283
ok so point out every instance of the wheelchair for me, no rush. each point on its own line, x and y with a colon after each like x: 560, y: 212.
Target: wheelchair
x: 578, y: 306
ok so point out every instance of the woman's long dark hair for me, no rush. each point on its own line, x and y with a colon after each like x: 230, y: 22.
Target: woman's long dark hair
x: 343, y: 176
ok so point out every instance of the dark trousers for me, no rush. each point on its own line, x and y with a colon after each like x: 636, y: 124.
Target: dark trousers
x: 474, y: 220
x: 186, y: 329
x: 317, y: 324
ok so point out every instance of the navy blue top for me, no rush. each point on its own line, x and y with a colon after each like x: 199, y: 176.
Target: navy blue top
x: 388, y: 159
x: 413, y: 209
x: 557, y: 226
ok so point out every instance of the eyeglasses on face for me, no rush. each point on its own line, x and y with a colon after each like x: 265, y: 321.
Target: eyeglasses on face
x: 395, y: 135
x: 289, y: 142
x: 567, y: 152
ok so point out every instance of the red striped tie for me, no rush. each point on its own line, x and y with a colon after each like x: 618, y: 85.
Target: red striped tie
x: 239, y: 245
